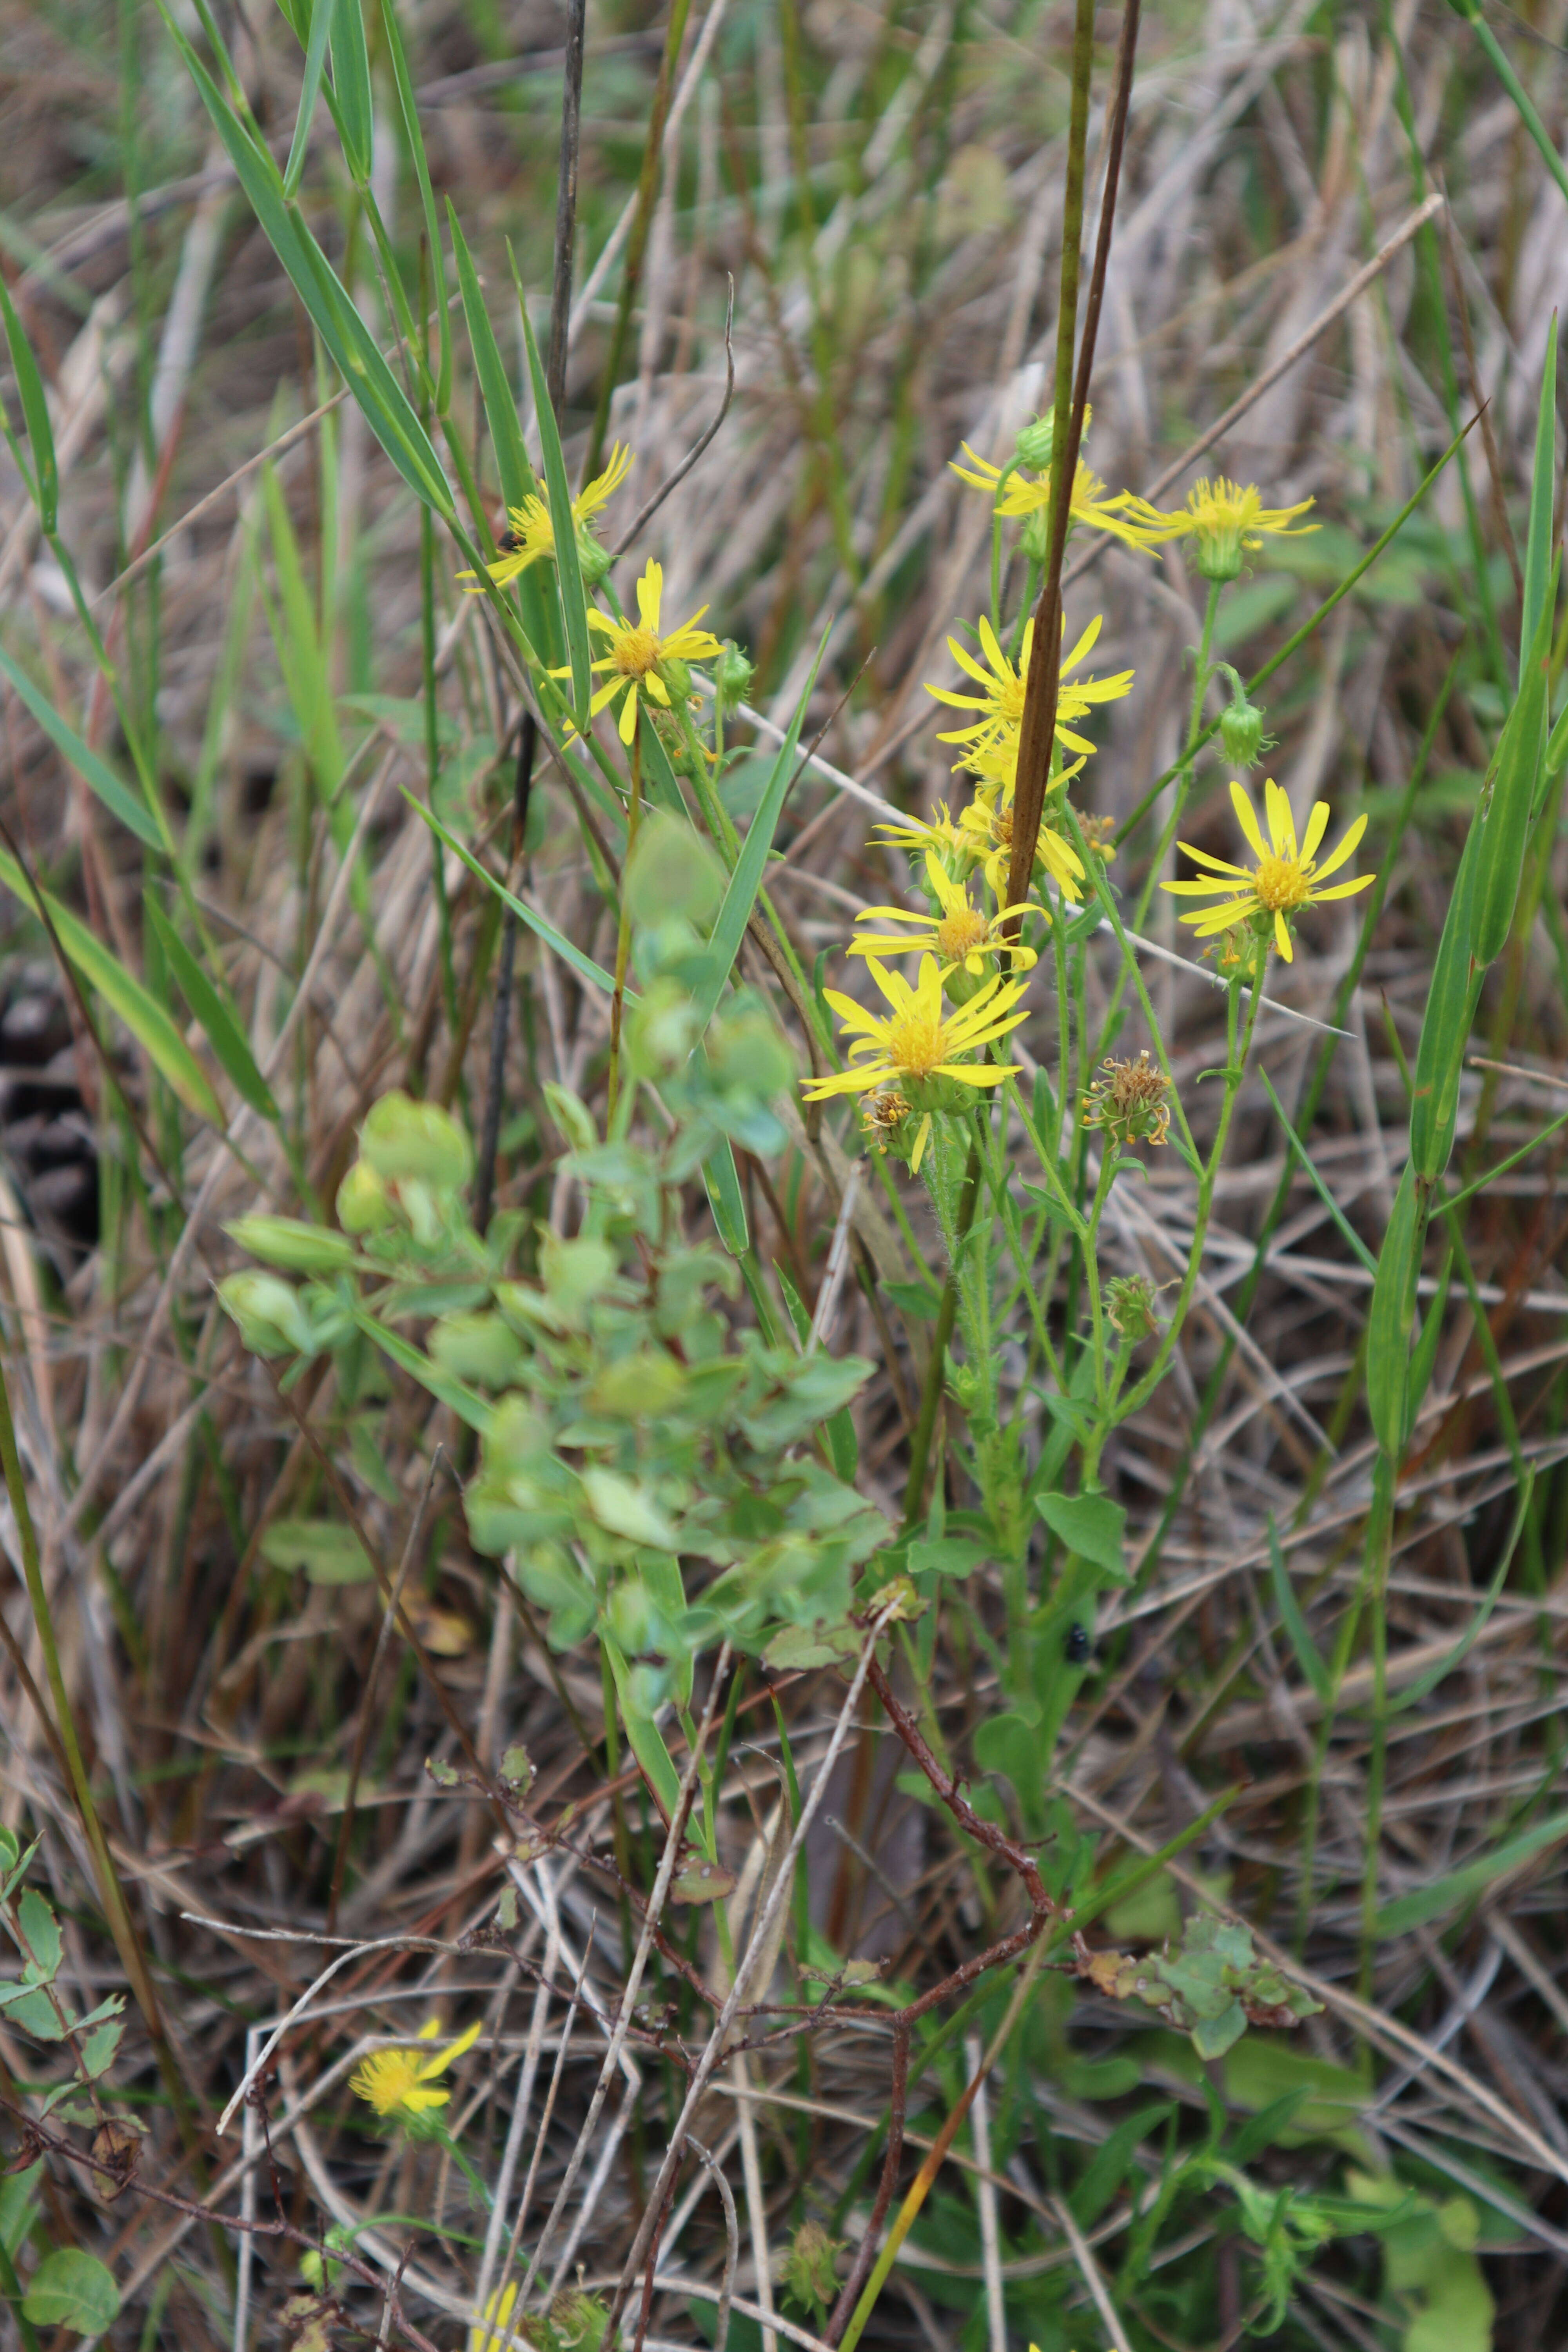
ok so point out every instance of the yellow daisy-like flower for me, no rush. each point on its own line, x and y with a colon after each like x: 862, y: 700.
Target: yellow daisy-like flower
x: 531, y: 534
x: 397, y: 2083
x: 1225, y: 521
x: 923, y: 1036
x: 1000, y: 704
x: 1028, y: 495
x: 960, y: 933
x: 635, y: 651
x: 939, y: 832
x: 1286, y: 877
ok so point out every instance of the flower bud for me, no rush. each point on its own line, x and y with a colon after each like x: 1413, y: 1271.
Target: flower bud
x: 1129, y: 1306
x: 1035, y: 539
x: 732, y: 676
x: 592, y: 561
x: 1241, y: 729
x: 676, y: 676
x: 1033, y: 445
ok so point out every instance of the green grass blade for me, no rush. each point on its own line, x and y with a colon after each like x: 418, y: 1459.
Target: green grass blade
x: 321, y: 20
x: 1426, y: 1683
x: 746, y: 881
x: 1542, y: 501
x: 644, y: 1735
x: 1327, y: 1198
x: 351, y: 87
x: 1392, y: 1315
x: 568, y: 571
x: 222, y: 1033
x: 297, y: 640
x: 722, y: 1181
x: 1445, y: 1028
x: 1458, y: 1887
x: 1309, y: 1657
x: 584, y: 965
x: 115, y: 796
x: 45, y: 483
x: 1505, y: 824
x: 466, y: 1402
x: 413, y: 140
x: 512, y: 469
x: 386, y: 407
x: 141, y: 1013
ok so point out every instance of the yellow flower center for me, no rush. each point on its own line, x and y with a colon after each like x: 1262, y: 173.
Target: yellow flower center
x: 916, y: 1044
x: 387, y: 2079
x: 1280, y: 885
x: 960, y: 933
x: 635, y: 652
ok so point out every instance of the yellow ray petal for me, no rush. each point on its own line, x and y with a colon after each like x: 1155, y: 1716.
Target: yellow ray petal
x: 1246, y: 816
x: 1347, y: 848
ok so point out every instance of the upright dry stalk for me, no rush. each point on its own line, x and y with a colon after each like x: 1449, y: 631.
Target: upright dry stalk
x: 1038, y: 732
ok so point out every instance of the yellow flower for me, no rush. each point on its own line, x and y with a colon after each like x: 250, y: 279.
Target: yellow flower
x: 636, y: 651
x: 493, y: 2333
x: 938, y: 832
x: 1000, y: 705
x: 987, y: 825
x: 1226, y: 519
x: 395, y: 2083
x: 960, y: 933
x: 1089, y: 505
x: 1285, y: 878
x: 531, y: 534
x: 922, y: 1037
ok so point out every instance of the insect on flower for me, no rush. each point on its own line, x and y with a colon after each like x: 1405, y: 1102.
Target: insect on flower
x: 960, y: 933
x: 1286, y: 877
x: 397, y: 2083
x: 922, y: 1037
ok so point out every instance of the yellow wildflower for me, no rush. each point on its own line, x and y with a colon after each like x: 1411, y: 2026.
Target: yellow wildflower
x: 1285, y: 878
x: 960, y: 933
x: 987, y: 823
x: 493, y: 2333
x: 395, y: 2083
x: 922, y: 1037
x: 1225, y: 521
x: 530, y: 534
x: 916, y: 833
x: 1026, y: 494
x: 637, y: 652
x: 1000, y: 705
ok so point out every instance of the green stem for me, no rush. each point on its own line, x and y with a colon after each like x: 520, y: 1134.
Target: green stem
x: 930, y: 1395
x: 624, y: 934
x: 1203, y: 671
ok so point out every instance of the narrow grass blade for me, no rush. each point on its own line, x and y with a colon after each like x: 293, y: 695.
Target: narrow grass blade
x: 1458, y: 1887
x: 1309, y: 1657
x: 564, y: 525
x: 746, y: 881
x: 512, y: 469
x: 646, y: 1740
x: 1505, y: 824
x: 1391, y: 1316
x: 115, y: 796
x: 141, y: 1013
x: 721, y: 1181
x: 224, y: 1033
x: 1542, y: 501
x: 386, y: 407
x: 297, y: 638
x: 351, y: 86
x: 45, y: 483
x: 1327, y: 1198
x: 582, y: 964
x: 320, y: 23
x: 1445, y: 1028
x: 413, y: 140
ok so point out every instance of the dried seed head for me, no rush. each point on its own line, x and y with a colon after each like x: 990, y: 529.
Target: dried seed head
x: 1130, y: 1102
x: 1129, y: 1306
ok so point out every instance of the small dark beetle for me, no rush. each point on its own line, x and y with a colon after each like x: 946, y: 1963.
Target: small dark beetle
x: 1078, y: 1644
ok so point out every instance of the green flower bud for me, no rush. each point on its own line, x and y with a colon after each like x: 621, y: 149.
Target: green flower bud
x: 1241, y: 725
x: 363, y: 1204
x: 292, y: 1244
x: 676, y: 676
x: 270, y: 1318
x: 592, y: 561
x: 1033, y: 445
x: 732, y: 676
x: 1035, y: 539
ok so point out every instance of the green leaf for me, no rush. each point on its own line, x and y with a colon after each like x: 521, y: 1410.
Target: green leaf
x: 1092, y: 1526
x: 141, y: 1012
x: 351, y: 87
x: 45, y: 484
x: 1458, y: 1887
x: 946, y: 1556
x: 722, y: 1181
x: 1307, y: 1655
x: 222, y: 1033
x: 299, y: 654
x: 115, y: 796
x: 643, y: 1733
x: 40, y: 1940
x: 320, y: 16
x: 70, y: 2289
x: 1319, y: 1187
x: 413, y: 141
x: 386, y: 406
x: 328, y: 1551
x: 1446, y: 1027
x: 1505, y: 821
x: 98, y: 2048
x: 476, y: 1411
x: 1428, y: 1682
x: 746, y: 881
x: 563, y: 524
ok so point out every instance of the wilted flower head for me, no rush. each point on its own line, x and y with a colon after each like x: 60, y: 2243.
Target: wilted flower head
x: 1130, y: 1102
x: 1130, y: 1306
